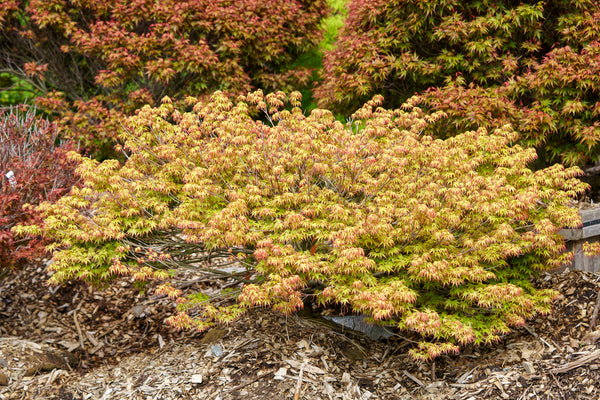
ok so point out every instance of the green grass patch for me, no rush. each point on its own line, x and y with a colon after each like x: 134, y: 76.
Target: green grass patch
x: 314, y: 59
x: 333, y: 23
x: 15, y: 91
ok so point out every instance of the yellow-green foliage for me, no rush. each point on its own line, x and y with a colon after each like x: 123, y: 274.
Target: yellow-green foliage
x: 434, y: 236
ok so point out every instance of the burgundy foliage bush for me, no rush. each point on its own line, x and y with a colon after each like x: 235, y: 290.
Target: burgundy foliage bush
x: 96, y: 61
x: 33, y: 170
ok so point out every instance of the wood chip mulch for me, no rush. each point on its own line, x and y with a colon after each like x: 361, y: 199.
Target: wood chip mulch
x: 76, y: 342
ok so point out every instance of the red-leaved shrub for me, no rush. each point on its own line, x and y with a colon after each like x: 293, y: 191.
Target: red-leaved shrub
x: 531, y: 63
x: 96, y: 61
x: 33, y: 170
x: 555, y: 106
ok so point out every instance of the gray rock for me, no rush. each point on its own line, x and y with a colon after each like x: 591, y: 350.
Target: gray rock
x: 359, y: 323
x: 217, y: 350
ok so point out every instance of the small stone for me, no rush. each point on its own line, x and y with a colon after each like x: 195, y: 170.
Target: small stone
x: 594, y: 367
x: 196, y: 378
x: 3, y: 379
x: 138, y: 310
x: 217, y: 350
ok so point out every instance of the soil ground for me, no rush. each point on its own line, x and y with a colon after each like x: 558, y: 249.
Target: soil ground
x: 74, y: 342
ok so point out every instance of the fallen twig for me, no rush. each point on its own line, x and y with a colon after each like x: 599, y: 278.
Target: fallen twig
x: 595, y: 314
x: 413, y: 378
x: 299, y: 383
x: 78, y: 331
x: 577, y: 363
x: 464, y: 377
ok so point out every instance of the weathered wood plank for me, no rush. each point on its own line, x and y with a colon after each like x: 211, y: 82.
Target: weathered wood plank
x: 589, y: 215
x: 572, y: 234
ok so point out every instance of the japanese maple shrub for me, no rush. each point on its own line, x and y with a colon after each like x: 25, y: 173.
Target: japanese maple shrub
x: 33, y: 170
x: 554, y: 106
x: 434, y: 236
x: 531, y: 62
x: 96, y: 61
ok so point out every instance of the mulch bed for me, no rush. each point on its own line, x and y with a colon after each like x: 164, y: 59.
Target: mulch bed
x: 76, y: 342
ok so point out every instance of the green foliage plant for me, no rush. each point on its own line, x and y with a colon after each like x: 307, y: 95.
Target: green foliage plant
x: 333, y: 23
x: 97, y: 61
x: 330, y: 26
x: 439, y: 237
x: 532, y: 63
x: 14, y: 91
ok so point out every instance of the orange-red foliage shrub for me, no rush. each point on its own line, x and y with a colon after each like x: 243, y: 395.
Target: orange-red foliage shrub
x: 534, y: 64
x: 96, y: 61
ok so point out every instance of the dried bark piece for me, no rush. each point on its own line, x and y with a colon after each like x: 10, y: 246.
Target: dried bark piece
x: 528, y: 367
x: 577, y: 363
x: 3, y: 379
x: 213, y: 335
x: 307, y: 367
x: 591, y: 337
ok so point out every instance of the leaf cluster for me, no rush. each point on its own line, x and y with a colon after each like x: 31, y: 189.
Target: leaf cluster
x: 531, y: 63
x: 96, y: 61
x: 434, y: 236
